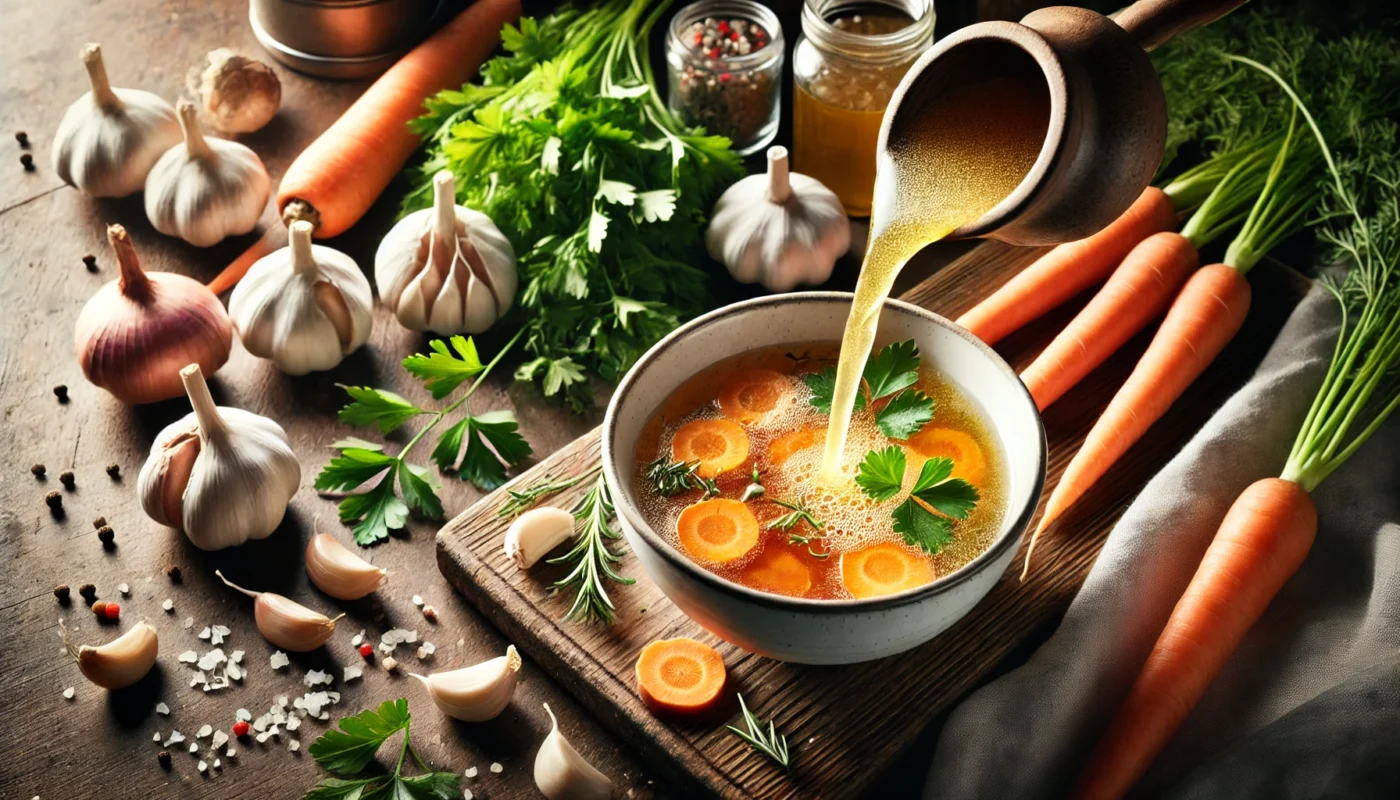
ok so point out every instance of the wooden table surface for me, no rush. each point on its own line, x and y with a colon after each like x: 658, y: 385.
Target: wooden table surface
x: 57, y: 748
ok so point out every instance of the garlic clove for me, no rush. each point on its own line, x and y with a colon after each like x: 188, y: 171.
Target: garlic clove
x: 110, y: 138
x: 120, y: 662
x: 536, y: 532
x: 476, y: 693
x: 169, y: 474
x: 286, y: 623
x: 338, y: 572
x: 236, y: 94
x: 562, y: 774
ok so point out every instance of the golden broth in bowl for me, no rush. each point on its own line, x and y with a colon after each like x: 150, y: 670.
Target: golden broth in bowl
x: 801, y: 536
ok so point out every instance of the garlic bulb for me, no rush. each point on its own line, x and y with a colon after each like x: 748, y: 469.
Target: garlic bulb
x: 135, y: 334
x: 338, y: 572
x: 447, y: 268
x: 305, y: 307
x: 236, y: 94
x: 118, y: 663
x: 222, y: 475
x: 476, y: 693
x: 779, y: 229
x: 205, y: 189
x: 109, y: 138
x: 533, y: 534
x: 285, y: 622
x: 562, y: 774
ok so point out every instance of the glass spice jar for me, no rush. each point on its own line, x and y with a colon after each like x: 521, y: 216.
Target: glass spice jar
x: 846, y: 64
x: 725, y: 60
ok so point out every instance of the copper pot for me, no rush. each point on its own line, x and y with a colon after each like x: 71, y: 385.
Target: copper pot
x: 1108, y: 117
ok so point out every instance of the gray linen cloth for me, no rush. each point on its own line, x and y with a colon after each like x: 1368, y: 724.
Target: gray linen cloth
x: 1307, y: 707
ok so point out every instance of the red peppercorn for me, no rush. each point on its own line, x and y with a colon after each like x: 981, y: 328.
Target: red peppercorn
x: 724, y: 27
x: 733, y: 37
x: 366, y: 650
x: 725, y: 77
x: 113, y: 611
x: 699, y: 37
x: 714, y: 52
x: 240, y: 728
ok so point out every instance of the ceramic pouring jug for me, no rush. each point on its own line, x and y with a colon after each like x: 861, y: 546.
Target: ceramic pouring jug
x: 1108, y: 117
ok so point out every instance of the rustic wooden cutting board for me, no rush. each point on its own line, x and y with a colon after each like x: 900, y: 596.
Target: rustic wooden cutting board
x: 844, y: 724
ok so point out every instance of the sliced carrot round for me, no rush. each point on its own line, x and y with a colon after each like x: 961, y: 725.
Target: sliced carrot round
x: 790, y: 444
x: 680, y: 676
x: 718, y: 444
x: 968, y: 461
x: 717, y: 530
x: 748, y: 394
x: 779, y: 571
x: 883, y: 569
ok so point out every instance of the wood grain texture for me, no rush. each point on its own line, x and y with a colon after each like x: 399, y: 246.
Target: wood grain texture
x: 845, y: 724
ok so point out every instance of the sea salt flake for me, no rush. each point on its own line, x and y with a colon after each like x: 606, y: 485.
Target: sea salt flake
x: 467, y: 794
x: 260, y: 724
x: 418, y: 600
x: 218, y: 764
x: 281, y: 701
x: 189, y: 622
x: 497, y: 768
x: 212, y: 659
x: 471, y: 772
x: 188, y: 657
x: 218, y: 634
x: 168, y: 605
x: 199, y: 677
x: 204, y: 731
x: 220, y: 739
x: 316, y: 676
x: 293, y: 723
x: 202, y: 767
x: 162, y: 708
x: 386, y: 647
x: 230, y: 753
x: 68, y: 693
x: 232, y: 672
x: 359, y: 637
x: 236, y: 656
x: 279, y: 660
x: 294, y: 745
x: 262, y: 738
x: 194, y: 747
x: 353, y: 672
x: 156, y: 738
x: 243, y: 714
x: 206, y: 633
x: 124, y: 589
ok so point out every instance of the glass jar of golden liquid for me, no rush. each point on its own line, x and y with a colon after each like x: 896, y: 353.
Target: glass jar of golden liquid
x: 846, y: 64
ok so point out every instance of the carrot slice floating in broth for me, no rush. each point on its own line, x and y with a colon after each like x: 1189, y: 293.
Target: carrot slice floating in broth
x: 968, y: 461
x: 790, y: 444
x: 749, y: 394
x: 717, y: 530
x: 680, y: 676
x: 883, y: 569
x: 780, y: 572
x: 718, y: 444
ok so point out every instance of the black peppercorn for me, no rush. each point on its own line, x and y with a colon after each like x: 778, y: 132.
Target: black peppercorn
x: 22, y: 138
x: 63, y: 593
x: 61, y: 392
x: 99, y: 522
x: 27, y: 161
x: 114, y: 471
x: 106, y: 535
x: 88, y: 592
x: 37, y: 470
x: 164, y: 758
x: 90, y: 261
x: 67, y: 479
x: 54, y: 501
x: 173, y: 572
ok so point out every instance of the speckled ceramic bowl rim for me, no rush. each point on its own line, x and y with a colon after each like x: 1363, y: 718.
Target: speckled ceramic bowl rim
x: 1008, y: 538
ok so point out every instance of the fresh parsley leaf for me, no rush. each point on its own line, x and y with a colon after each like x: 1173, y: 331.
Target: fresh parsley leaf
x: 418, y: 493
x: 428, y: 786
x: 823, y: 386
x: 349, y: 749
x: 355, y: 442
x: 480, y: 465
x: 382, y: 409
x: 891, y: 368
x: 338, y: 789
x: 375, y: 512
x: 952, y: 496
x: 881, y: 474
x: 442, y: 371
x: 352, y: 467
x: 922, y: 528
x: 905, y: 414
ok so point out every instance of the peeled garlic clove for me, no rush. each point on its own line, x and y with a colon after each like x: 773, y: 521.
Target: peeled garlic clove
x: 285, y: 622
x: 118, y: 663
x: 562, y: 774
x: 236, y: 94
x: 536, y: 532
x: 305, y: 307
x: 205, y: 188
x: 137, y: 331
x: 337, y: 571
x: 476, y: 693
x: 109, y: 138
x: 222, y: 475
x: 447, y: 268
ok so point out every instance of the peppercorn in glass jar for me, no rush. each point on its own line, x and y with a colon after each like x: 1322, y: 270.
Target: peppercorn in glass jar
x: 726, y: 68
x: 846, y: 64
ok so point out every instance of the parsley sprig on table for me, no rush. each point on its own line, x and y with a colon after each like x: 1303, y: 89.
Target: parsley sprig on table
x: 346, y: 751
x: 925, y: 518
x: 492, y: 443
x: 566, y: 144
x: 890, y: 372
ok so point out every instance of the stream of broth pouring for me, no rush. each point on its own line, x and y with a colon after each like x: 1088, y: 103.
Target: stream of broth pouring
x: 963, y: 155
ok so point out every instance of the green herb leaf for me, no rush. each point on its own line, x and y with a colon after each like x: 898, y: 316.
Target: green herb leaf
x: 442, y: 371
x: 378, y: 407
x: 922, y: 528
x: 523, y: 499
x: 905, y: 414
x: 823, y: 386
x: 881, y: 474
x: 952, y: 496
x: 892, y: 368
x: 375, y: 512
x: 347, y: 750
x: 593, y: 562
x: 768, y: 742
x: 355, y: 443
x: 429, y: 786
x: 352, y: 467
x: 479, y: 464
x: 418, y: 493
x: 338, y: 789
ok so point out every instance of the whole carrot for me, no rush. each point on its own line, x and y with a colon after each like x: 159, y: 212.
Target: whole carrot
x: 1137, y: 292
x: 1260, y: 544
x: 1068, y: 269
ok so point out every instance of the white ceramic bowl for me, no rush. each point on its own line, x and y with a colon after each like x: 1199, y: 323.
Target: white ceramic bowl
x: 823, y: 631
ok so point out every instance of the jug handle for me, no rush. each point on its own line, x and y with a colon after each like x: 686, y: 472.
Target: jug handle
x: 1152, y: 22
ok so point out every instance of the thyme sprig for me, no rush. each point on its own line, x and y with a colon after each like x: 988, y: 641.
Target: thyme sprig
x: 670, y: 478
x: 522, y: 500
x: 591, y: 558
x: 769, y: 742
x: 798, y: 512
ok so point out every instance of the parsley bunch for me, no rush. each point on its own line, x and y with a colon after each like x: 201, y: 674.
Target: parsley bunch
x: 492, y: 443
x: 604, y: 194
x: 347, y: 750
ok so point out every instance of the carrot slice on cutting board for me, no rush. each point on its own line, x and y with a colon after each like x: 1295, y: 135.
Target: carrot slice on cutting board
x: 680, y: 676
x: 717, y: 530
x: 718, y: 444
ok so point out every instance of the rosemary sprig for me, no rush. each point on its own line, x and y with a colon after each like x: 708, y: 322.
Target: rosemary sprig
x: 670, y: 478
x: 770, y: 742
x: 797, y: 513
x: 523, y: 499
x: 811, y: 542
x: 593, y: 561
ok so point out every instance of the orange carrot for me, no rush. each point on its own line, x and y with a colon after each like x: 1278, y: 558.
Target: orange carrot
x: 749, y: 394
x: 1259, y: 545
x: 1201, y: 321
x: 718, y: 530
x: 680, y: 676
x: 883, y: 569
x: 969, y: 463
x: 718, y: 444
x: 779, y: 571
x: 790, y: 444
x: 1068, y: 269
x: 1136, y: 293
